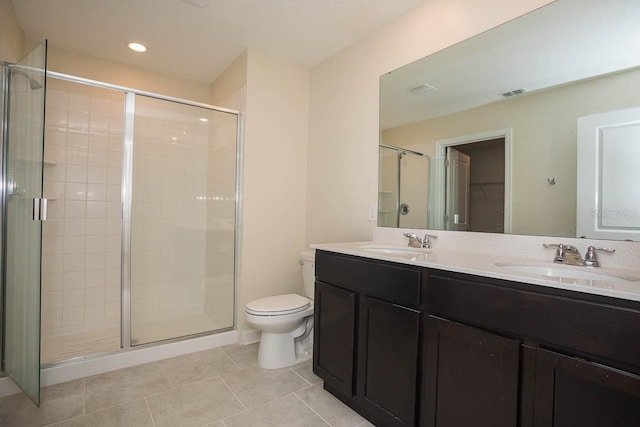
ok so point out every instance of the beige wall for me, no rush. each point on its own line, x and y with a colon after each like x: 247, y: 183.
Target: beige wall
x: 273, y: 96
x: 275, y: 164
x: 343, y: 126
x: 94, y: 68
x: 544, y: 144
x: 11, y: 34
x: 229, y: 88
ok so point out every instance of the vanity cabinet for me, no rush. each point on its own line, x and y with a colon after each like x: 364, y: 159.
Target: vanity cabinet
x: 505, y: 354
x: 367, y: 335
x: 471, y: 377
x: 573, y: 392
x: 405, y: 345
x: 334, y: 336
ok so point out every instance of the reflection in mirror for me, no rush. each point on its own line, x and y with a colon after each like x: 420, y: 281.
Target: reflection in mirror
x: 530, y: 79
x: 403, y: 185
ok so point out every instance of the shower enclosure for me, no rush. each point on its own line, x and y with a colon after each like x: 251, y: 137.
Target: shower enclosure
x: 139, y: 244
x: 403, y: 188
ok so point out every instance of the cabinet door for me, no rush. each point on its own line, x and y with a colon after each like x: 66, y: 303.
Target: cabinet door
x: 388, y: 361
x: 572, y: 392
x: 471, y: 377
x: 334, y: 337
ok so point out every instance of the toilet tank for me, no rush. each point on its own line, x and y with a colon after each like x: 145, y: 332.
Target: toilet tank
x: 308, y: 262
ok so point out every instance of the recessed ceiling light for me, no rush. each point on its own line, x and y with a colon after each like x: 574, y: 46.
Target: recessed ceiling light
x: 204, y: 119
x: 422, y: 89
x: 198, y: 3
x: 137, y: 47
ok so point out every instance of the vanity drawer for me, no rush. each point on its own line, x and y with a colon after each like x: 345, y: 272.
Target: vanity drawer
x: 596, y: 330
x: 388, y: 281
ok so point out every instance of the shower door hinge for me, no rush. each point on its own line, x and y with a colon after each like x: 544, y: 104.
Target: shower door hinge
x: 39, y: 209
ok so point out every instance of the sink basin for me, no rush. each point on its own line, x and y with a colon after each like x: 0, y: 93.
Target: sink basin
x: 566, y: 272
x: 394, y: 250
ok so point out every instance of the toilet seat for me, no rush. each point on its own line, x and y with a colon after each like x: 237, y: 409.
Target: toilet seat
x: 278, y: 305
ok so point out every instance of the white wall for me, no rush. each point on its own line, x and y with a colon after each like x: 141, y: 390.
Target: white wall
x: 343, y: 123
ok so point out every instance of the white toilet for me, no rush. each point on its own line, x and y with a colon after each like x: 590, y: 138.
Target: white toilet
x: 286, y: 322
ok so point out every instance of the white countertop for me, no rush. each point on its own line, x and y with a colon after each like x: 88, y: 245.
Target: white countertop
x: 485, y: 265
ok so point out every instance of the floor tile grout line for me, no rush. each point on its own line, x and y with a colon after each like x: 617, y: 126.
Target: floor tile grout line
x: 233, y: 393
x: 84, y: 396
x: 234, y: 362
x: 298, y: 374
x: 146, y: 402
x: 165, y: 375
x: 308, y: 406
x: 114, y: 405
x: 229, y: 357
x: 63, y: 421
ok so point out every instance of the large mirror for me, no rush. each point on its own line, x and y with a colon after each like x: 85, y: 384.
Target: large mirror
x: 512, y: 131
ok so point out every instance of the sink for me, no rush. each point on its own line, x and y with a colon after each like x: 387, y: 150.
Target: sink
x: 394, y: 250
x: 567, y: 272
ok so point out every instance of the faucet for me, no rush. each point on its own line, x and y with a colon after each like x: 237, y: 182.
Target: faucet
x: 566, y: 254
x: 417, y: 242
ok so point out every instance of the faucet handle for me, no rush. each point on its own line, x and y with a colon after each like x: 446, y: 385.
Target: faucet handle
x: 559, y: 252
x: 426, y: 241
x: 593, y: 249
x: 591, y: 257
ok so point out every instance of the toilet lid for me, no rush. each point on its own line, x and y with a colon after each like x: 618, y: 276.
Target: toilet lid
x: 277, y: 305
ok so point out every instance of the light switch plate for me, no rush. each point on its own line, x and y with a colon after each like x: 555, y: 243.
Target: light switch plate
x: 373, y: 212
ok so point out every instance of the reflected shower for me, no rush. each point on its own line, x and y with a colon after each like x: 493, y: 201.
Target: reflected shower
x: 33, y: 83
x: 399, y: 204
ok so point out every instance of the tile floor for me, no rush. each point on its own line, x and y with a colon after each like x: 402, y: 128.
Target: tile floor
x: 222, y: 387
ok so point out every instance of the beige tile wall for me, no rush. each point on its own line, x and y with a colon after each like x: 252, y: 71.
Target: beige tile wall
x: 81, y: 240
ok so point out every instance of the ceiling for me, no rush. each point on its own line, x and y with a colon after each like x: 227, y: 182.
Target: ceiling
x: 199, y: 43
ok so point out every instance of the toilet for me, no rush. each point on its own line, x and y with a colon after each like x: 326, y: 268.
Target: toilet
x: 286, y: 322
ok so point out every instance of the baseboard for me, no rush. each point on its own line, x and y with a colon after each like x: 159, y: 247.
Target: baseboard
x: 249, y: 336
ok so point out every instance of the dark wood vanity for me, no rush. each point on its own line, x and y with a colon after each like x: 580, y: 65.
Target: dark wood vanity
x: 409, y: 345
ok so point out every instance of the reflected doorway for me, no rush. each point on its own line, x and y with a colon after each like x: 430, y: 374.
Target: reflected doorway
x: 475, y: 187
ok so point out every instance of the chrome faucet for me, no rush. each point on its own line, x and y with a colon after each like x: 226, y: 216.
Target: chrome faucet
x: 568, y: 254
x: 417, y: 242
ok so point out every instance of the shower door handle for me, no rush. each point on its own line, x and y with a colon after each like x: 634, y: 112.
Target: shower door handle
x: 39, y: 209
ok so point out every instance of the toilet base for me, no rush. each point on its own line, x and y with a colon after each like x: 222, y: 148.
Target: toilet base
x: 278, y: 350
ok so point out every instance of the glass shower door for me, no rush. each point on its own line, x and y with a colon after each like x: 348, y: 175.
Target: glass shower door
x: 182, y: 220
x: 23, y: 169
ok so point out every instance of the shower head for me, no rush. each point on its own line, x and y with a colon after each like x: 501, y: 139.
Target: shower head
x: 33, y: 83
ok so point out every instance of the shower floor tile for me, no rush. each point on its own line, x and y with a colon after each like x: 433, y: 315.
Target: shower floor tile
x: 220, y: 387
x: 64, y: 347
x: 148, y: 331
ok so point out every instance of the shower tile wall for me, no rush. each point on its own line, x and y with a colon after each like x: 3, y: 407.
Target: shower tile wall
x: 81, y: 241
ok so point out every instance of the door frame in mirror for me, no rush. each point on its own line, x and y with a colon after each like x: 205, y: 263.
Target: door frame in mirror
x: 440, y: 172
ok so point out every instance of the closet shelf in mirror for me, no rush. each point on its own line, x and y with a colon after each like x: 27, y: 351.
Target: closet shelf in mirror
x: 489, y: 191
